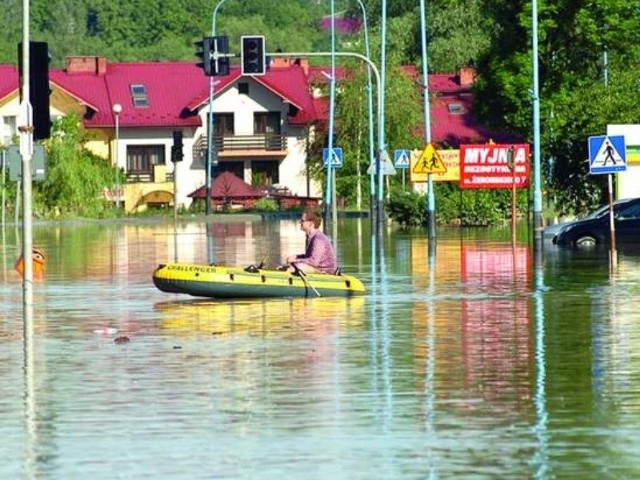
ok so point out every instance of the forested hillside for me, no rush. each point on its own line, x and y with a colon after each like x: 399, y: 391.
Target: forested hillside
x: 135, y: 30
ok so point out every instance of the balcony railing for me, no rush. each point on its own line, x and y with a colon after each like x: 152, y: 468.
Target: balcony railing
x: 267, y: 141
x: 148, y: 177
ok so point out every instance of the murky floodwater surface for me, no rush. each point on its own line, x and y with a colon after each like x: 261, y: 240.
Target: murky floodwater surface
x: 469, y: 362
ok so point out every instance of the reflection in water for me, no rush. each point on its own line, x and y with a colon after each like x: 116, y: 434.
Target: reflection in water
x: 541, y: 459
x: 466, y: 363
x: 263, y: 317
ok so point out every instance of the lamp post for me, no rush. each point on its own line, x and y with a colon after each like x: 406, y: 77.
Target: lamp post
x: 370, y: 106
x: 537, y: 189
x: 117, y: 108
x: 329, y: 205
x: 431, y: 199
x: 381, y: 140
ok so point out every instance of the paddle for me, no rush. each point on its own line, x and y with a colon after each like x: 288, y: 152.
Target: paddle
x: 263, y: 262
x: 305, y: 279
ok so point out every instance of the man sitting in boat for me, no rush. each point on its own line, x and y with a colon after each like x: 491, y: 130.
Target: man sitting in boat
x: 319, y: 255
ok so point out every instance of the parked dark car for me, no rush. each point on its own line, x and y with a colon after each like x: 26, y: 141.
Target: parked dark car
x: 595, y: 230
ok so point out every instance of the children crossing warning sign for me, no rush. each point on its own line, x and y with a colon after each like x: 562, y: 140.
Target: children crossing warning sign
x: 429, y: 161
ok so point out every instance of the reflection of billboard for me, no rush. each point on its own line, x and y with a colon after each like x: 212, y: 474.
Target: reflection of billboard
x: 483, y: 336
x: 450, y: 159
x: 496, y: 318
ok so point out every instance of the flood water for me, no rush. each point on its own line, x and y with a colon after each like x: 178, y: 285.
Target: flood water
x: 471, y: 362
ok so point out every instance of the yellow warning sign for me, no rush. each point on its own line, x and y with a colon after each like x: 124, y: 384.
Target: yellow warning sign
x: 451, y: 160
x: 429, y: 161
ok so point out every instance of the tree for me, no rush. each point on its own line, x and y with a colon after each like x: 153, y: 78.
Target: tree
x: 75, y: 178
x: 574, y: 102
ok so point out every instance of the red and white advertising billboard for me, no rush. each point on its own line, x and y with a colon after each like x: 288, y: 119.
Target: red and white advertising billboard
x: 486, y: 166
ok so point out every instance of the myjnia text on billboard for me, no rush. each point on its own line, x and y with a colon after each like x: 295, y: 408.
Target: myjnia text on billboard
x: 492, y: 165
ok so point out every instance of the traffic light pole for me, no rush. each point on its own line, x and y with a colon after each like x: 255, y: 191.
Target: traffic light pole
x: 26, y: 150
x: 376, y: 74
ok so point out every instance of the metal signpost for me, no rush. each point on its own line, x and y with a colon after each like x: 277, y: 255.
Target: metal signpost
x: 608, y: 155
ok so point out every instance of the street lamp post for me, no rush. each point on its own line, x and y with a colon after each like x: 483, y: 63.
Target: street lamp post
x: 431, y: 199
x: 537, y: 188
x: 370, y: 106
x: 117, y: 109
x: 381, y: 140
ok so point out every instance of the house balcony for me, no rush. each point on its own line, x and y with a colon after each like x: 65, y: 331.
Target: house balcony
x: 229, y: 146
x: 159, y: 174
x: 147, y: 189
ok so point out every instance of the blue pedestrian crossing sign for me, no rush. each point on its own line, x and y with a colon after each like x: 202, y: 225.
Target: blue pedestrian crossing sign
x: 607, y: 154
x: 335, y: 155
x: 402, y: 158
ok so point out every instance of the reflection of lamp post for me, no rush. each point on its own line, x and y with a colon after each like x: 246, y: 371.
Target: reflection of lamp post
x: 117, y: 108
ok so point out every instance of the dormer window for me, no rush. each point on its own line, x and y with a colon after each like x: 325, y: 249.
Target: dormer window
x: 455, y: 108
x: 139, y: 95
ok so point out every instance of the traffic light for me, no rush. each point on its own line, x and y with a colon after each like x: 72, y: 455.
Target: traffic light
x: 176, y: 148
x: 204, y: 52
x: 38, y: 87
x: 253, y: 55
x: 220, y: 62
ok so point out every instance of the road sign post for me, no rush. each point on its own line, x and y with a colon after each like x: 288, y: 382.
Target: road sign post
x: 608, y: 155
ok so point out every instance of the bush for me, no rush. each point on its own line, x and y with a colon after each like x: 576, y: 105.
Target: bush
x: 453, y: 206
x: 266, y: 205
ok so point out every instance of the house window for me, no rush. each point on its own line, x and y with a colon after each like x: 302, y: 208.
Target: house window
x: 243, y: 88
x: 7, y: 129
x: 222, y: 123
x: 142, y: 158
x: 139, y: 95
x: 455, y: 108
x: 264, y: 173
x: 237, y: 168
x: 266, y: 122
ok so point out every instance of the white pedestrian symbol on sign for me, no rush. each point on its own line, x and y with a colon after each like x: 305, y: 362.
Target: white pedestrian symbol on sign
x: 607, y: 154
x: 335, y: 154
x: 402, y: 158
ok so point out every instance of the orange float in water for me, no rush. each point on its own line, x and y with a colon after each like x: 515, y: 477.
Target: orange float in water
x: 39, y: 260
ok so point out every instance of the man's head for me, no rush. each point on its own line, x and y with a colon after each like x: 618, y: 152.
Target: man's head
x: 310, y: 219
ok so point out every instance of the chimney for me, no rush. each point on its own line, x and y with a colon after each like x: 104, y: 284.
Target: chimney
x: 89, y: 64
x: 467, y: 76
x: 304, y: 63
x: 280, y: 62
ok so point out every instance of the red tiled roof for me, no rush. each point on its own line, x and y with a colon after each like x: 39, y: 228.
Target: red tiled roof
x: 289, y: 83
x: 227, y: 185
x: 452, y: 129
x: 8, y: 80
x: 169, y: 85
x: 175, y: 91
x: 446, y: 83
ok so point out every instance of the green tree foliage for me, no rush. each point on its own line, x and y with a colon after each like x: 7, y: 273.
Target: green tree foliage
x: 575, y: 102
x: 75, y: 177
x: 147, y: 30
x: 402, y: 115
